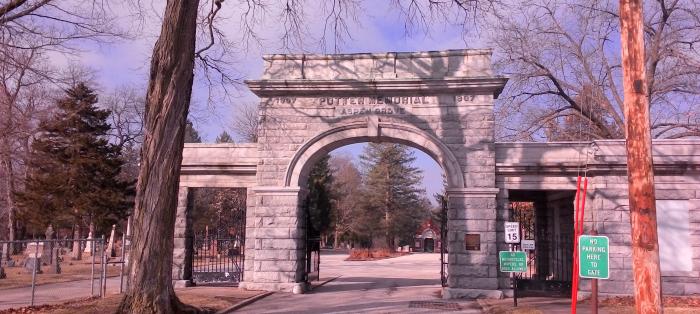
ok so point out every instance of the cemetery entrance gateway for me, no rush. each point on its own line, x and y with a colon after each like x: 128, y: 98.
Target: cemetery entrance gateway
x: 438, y: 102
x: 441, y: 103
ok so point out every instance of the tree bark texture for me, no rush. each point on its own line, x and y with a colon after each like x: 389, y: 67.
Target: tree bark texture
x: 640, y: 172
x: 167, y: 104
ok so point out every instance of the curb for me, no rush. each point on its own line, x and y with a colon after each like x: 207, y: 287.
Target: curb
x: 243, y: 303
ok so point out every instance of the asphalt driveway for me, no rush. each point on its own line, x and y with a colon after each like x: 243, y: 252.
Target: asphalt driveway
x: 407, y: 284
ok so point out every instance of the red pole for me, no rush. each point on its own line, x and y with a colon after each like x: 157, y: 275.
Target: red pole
x: 574, y: 271
x: 640, y: 170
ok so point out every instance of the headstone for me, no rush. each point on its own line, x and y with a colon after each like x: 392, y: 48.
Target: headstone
x: 110, y: 245
x: 89, y: 244
x: 30, y: 263
x: 33, y: 254
x: 6, y: 256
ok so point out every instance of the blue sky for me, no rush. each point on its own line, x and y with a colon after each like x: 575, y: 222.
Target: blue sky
x: 377, y: 29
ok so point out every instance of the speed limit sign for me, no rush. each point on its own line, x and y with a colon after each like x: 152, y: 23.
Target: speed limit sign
x: 512, y: 231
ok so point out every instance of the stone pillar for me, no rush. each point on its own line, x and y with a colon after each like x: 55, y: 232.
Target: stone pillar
x: 472, y: 273
x: 251, y: 242
x: 182, y: 251
x: 503, y: 214
x: 279, y: 242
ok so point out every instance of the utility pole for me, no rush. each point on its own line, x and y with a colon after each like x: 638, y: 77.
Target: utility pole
x: 640, y: 172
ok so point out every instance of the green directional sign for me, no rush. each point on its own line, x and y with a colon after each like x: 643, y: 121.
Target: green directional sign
x: 594, y: 257
x: 512, y: 262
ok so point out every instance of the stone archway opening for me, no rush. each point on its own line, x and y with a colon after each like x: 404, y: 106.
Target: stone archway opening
x: 360, y: 252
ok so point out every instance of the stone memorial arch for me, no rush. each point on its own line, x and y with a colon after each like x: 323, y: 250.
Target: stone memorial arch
x: 438, y: 102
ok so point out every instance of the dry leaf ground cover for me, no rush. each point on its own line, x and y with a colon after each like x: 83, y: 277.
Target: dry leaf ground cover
x: 210, y: 299
x: 19, y: 277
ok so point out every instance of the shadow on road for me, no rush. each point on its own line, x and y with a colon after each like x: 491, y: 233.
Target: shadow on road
x: 373, y: 283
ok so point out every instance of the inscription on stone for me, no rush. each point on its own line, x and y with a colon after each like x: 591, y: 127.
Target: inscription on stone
x: 369, y: 110
x: 378, y: 100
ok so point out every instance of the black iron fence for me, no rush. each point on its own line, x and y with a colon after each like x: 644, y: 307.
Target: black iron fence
x: 218, y: 259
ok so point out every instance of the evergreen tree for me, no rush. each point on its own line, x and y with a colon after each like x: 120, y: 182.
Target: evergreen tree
x: 318, y: 201
x: 191, y: 134
x: 73, y: 169
x: 224, y: 137
x: 392, y: 190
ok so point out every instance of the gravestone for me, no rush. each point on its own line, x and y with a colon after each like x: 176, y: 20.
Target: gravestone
x: 6, y: 256
x: 89, y: 244
x: 110, y: 245
x: 33, y: 255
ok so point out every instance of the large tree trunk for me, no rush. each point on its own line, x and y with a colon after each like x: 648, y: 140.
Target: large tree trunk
x: 167, y: 104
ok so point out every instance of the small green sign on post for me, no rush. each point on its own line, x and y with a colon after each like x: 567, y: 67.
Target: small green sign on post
x: 594, y: 257
x: 512, y: 262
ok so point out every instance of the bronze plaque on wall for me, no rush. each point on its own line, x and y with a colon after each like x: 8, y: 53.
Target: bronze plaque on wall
x: 472, y: 242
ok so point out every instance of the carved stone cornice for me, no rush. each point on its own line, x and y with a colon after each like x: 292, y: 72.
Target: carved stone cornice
x: 419, y: 86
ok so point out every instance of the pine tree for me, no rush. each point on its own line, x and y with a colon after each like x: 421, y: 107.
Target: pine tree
x: 318, y: 201
x: 224, y: 137
x: 191, y: 134
x: 392, y: 190
x: 73, y: 169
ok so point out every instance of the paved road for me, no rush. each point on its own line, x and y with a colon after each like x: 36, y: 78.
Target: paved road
x: 53, y: 293
x: 395, y: 285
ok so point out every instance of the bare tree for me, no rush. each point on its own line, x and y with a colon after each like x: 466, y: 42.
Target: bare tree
x: 127, y: 107
x: 245, y: 122
x: 30, y: 31
x: 564, y: 63
x: 55, y: 24
x: 347, y: 185
x: 23, y: 98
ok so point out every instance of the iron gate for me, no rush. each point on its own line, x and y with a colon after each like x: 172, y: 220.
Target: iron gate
x: 549, y: 265
x: 313, y: 249
x: 219, y: 252
x: 313, y: 259
x: 443, y: 242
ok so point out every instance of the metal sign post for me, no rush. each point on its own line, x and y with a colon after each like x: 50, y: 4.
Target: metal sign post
x: 594, y: 262
x: 513, y: 262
